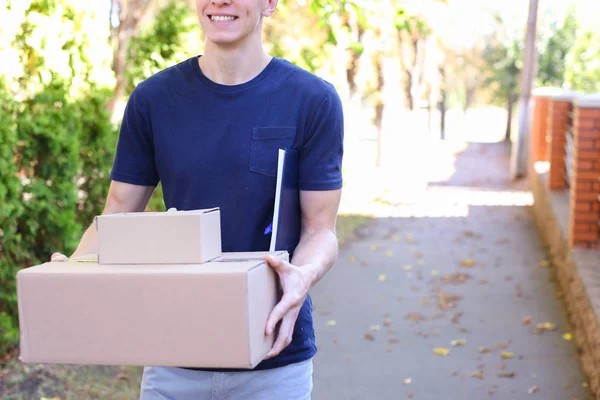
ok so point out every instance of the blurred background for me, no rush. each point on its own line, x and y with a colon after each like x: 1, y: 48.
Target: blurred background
x: 420, y: 79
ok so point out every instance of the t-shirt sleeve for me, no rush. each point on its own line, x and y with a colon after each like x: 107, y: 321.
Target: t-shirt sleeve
x: 134, y: 159
x: 323, y: 146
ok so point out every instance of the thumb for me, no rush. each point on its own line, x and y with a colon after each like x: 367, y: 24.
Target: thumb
x: 275, y: 262
x: 58, y: 257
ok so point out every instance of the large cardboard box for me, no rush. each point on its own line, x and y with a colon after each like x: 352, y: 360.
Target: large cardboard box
x: 171, y: 237
x: 210, y: 315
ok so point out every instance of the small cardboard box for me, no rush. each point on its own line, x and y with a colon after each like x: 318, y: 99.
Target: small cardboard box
x: 171, y: 237
x: 210, y: 315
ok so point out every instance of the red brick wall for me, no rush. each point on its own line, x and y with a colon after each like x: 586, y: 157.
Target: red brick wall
x: 539, y: 129
x: 585, y: 183
x: 558, y: 123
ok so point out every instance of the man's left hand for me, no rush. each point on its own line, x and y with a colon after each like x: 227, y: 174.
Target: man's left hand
x: 295, y: 282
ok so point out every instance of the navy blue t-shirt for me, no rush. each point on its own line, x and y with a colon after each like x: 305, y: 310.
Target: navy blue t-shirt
x: 213, y: 145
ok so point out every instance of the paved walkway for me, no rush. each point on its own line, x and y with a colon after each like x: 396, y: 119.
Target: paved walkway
x: 466, y: 277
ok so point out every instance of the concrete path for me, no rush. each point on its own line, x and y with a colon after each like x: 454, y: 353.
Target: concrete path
x: 467, y: 276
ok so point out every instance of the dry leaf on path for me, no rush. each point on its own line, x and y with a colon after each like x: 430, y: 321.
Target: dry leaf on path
x: 407, y: 381
x: 533, y: 389
x: 507, y: 354
x: 352, y: 260
x: 407, y: 267
x: 527, y: 320
x: 369, y: 336
x: 459, y: 342
x: 484, y: 350
x: 389, y: 253
x: 441, y: 351
x: 568, y: 337
x: 479, y: 374
x: 393, y: 340
x: 374, y: 328
x: 373, y: 247
x: 456, y: 317
x: 415, y: 317
x: 506, y: 375
x: 411, y: 395
x: 332, y: 322
x: 387, y: 322
x: 382, y: 277
x: 467, y: 263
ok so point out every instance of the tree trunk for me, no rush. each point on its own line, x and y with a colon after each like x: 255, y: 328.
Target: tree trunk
x: 379, y: 105
x: 130, y: 14
x: 408, y: 65
x: 509, y: 109
x: 519, y: 154
x: 442, y: 72
x: 353, y: 62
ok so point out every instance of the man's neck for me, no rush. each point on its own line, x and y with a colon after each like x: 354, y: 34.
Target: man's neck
x: 233, y: 66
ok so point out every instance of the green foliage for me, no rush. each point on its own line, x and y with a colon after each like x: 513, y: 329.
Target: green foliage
x: 54, y: 133
x: 10, y: 213
x: 558, y: 39
x: 582, y: 66
x: 164, y: 43
x: 98, y: 138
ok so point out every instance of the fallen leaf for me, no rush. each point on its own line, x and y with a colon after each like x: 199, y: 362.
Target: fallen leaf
x: 373, y: 247
x: 508, y: 278
x: 352, y: 260
x: 459, y: 342
x: 500, y: 366
x: 415, y: 317
x: 389, y: 253
x: 454, y: 373
x: 407, y: 267
x: 568, y: 337
x: 410, y: 238
x: 507, y: 354
x: 479, y: 374
x: 483, y: 281
x: 506, y: 375
x: 374, y: 328
x: 545, y: 326
x: 407, y: 381
x: 456, y: 317
x: 382, y: 277
x: 393, y: 340
x: 369, y: 336
x: 484, y: 350
x: 387, y: 322
x: 441, y: 351
x: 435, y: 272
x: 457, y: 278
x: 467, y: 263
x: 527, y: 320
x: 332, y: 322
x: 502, y: 346
x: 411, y: 395
x: 533, y: 389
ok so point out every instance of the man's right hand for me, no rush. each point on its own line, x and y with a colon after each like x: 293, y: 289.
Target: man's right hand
x: 58, y: 257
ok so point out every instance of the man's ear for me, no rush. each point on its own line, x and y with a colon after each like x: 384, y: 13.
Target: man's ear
x: 270, y: 7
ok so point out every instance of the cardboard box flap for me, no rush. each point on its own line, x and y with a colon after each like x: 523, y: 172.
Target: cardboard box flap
x: 169, y: 213
x: 92, y: 268
x: 245, y: 256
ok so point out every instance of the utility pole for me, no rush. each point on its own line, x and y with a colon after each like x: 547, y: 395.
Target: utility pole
x: 518, y: 163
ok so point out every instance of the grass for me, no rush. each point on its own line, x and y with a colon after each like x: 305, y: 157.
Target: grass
x: 20, y: 381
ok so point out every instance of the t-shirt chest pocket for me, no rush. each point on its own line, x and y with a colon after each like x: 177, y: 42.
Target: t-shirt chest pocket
x: 265, y: 145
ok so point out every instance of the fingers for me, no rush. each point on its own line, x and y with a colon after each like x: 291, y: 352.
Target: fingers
x: 58, y: 257
x: 276, y: 263
x: 284, y: 338
x: 277, y: 314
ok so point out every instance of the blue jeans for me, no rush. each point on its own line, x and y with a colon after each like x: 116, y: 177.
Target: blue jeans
x: 292, y: 382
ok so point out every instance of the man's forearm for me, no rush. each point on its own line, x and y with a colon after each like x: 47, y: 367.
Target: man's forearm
x: 317, y: 250
x: 88, y: 243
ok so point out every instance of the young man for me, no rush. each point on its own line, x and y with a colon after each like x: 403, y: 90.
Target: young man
x: 209, y: 129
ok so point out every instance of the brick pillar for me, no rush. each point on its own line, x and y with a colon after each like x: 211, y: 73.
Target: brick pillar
x: 539, y: 124
x: 559, y: 107
x: 585, y: 184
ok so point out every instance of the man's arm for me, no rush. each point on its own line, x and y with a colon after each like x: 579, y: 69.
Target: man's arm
x: 313, y: 257
x: 122, y: 197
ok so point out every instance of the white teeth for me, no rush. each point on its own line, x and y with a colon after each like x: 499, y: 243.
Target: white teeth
x: 222, y: 18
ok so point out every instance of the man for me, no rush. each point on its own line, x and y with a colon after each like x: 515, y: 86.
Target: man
x: 209, y: 129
